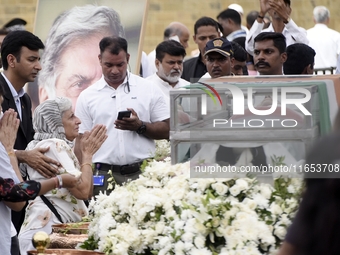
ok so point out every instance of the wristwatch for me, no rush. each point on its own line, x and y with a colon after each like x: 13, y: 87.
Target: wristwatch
x: 142, y: 129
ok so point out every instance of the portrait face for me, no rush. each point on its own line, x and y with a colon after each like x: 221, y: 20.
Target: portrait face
x: 71, y: 124
x: 27, y: 67
x: 267, y: 58
x: 205, y: 34
x: 78, y: 69
x: 238, y: 66
x: 170, y: 69
x: 114, y: 67
x: 218, y: 65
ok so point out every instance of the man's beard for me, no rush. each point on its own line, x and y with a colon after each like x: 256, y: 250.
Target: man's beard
x: 169, y: 78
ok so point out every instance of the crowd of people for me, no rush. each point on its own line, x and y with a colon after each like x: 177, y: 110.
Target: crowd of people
x: 60, y: 156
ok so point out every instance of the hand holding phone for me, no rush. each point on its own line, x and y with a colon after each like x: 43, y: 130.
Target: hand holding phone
x: 123, y: 114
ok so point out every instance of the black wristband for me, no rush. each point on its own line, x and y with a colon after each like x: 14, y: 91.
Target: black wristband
x: 260, y: 17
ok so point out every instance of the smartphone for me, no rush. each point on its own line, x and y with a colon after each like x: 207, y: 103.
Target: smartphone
x: 123, y: 114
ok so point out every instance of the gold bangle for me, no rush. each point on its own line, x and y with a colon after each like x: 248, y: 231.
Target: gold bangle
x: 10, y: 153
x: 85, y: 165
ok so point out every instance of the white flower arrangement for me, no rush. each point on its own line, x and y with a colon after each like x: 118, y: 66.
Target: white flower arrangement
x: 167, y: 212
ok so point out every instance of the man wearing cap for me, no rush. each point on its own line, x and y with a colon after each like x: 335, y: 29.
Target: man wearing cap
x: 218, y: 58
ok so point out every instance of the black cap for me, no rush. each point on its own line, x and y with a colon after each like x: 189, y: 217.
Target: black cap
x: 15, y: 24
x: 220, y: 45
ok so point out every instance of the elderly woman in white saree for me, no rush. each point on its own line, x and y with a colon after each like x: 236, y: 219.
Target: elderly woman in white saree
x: 56, y: 127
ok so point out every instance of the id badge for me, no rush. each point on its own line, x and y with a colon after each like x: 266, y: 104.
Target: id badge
x: 98, y: 180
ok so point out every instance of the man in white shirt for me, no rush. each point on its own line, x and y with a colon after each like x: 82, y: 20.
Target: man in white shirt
x: 280, y: 11
x: 325, y: 41
x: 230, y: 20
x: 239, y: 9
x: 169, y: 63
x: 130, y: 139
x: 175, y: 31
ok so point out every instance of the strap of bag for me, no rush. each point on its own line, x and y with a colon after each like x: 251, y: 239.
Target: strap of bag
x: 52, y: 208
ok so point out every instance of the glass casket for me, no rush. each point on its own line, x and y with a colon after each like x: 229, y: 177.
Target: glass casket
x: 254, y: 123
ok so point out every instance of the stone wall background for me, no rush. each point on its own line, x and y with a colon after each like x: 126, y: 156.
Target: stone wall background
x: 162, y: 12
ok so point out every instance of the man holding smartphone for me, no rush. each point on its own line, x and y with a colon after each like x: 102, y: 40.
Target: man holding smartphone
x: 130, y: 139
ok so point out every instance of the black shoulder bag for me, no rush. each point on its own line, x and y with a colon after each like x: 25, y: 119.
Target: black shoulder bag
x: 52, y: 208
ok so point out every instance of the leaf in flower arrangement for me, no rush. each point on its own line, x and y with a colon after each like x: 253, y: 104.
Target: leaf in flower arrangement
x: 278, y: 160
x: 90, y: 244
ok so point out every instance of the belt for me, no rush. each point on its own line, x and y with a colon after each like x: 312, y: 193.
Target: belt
x: 123, y: 169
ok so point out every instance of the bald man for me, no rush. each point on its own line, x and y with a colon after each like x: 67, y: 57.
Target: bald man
x: 174, y: 31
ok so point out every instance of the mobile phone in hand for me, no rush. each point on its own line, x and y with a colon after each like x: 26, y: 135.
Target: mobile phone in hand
x: 123, y: 114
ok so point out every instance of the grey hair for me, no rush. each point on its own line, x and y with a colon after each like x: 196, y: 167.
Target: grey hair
x: 64, y: 104
x: 321, y: 14
x: 78, y: 23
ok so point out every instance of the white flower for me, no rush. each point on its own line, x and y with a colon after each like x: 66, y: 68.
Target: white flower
x: 235, y: 190
x: 260, y: 200
x: 204, y: 251
x: 291, y: 189
x: 275, y: 209
x: 220, y: 188
x: 179, y: 248
x: 280, y: 232
x: 266, y: 191
x: 199, y: 241
x: 250, y: 203
x: 239, y: 186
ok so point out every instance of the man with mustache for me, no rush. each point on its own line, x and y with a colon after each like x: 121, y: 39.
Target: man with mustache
x: 169, y: 64
x: 219, y: 58
x: 270, y: 53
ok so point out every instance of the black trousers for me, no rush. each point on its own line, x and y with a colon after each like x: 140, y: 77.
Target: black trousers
x: 119, y: 179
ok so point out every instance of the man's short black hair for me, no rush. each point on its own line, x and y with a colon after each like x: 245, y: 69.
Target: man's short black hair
x: 239, y: 53
x: 170, y: 47
x: 206, y: 21
x: 230, y: 14
x: 299, y: 56
x: 114, y: 44
x: 279, y: 40
x: 14, y: 41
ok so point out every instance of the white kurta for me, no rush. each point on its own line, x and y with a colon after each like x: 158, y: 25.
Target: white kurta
x: 326, y: 43
x: 292, y: 32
